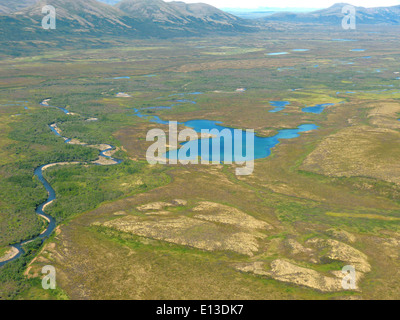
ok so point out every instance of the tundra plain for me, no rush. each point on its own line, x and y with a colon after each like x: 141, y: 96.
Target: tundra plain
x: 324, y: 200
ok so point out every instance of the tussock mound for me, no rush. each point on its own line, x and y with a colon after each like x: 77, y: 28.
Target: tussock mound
x: 215, y: 212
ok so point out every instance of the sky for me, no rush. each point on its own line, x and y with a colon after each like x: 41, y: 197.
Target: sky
x: 248, y: 4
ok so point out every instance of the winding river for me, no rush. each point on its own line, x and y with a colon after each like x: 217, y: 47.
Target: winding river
x: 105, y: 158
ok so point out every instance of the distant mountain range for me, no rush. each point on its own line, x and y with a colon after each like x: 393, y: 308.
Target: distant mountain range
x: 21, y: 19
x: 334, y: 15
x: 9, y: 6
x: 177, y: 15
x: 261, y: 12
x: 136, y: 18
x: 110, y: 2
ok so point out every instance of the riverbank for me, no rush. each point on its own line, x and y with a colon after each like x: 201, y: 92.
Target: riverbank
x: 10, y: 254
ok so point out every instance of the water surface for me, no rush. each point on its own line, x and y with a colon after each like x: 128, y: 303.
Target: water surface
x: 279, y: 105
x: 317, y: 109
x: 262, y: 146
x: 277, y: 53
x: 59, y: 108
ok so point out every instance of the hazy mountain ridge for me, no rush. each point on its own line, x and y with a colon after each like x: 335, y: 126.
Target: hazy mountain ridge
x: 180, y: 15
x: 137, y: 18
x: 110, y: 2
x: 82, y: 12
x: 334, y: 15
x: 9, y: 6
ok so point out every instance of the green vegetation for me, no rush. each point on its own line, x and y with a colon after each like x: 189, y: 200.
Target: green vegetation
x: 293, y: 191
x: 82, y: 188
x: 12, y: 278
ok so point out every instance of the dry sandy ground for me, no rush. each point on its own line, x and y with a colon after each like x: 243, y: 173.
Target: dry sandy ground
x: 11, y: 253
x: 292, y: 272
x: 226, y: 228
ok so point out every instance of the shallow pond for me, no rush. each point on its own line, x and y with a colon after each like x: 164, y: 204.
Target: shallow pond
x: 277, y: 53
x: 317, y: 109
x: 279, y: 105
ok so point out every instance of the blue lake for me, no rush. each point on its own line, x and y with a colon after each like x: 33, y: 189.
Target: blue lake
x: 317, y: 109
x: 279, y: 105
x: 357, y: 50
x: 262, y: 146
x: 277, y: 53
